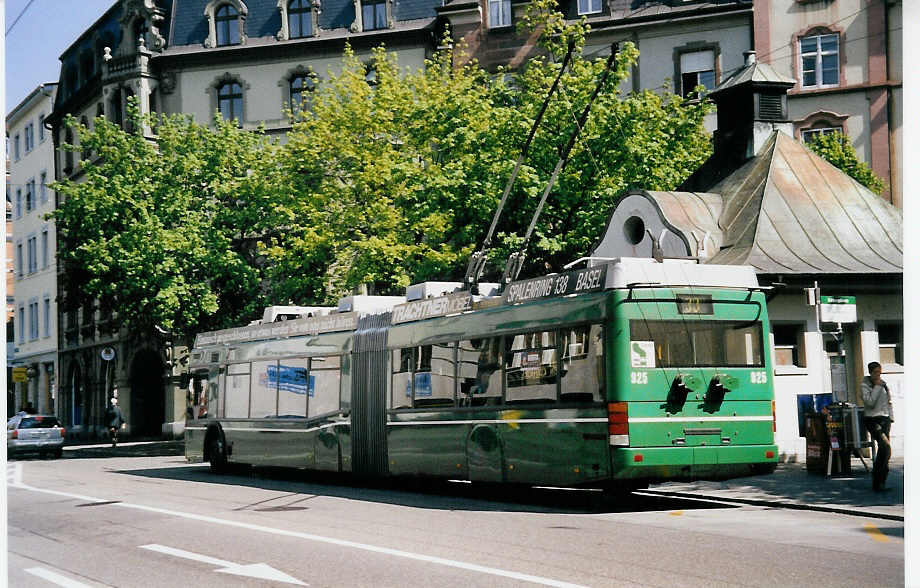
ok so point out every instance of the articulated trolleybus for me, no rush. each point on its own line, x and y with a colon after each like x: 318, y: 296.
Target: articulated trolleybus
x: 612, y: 376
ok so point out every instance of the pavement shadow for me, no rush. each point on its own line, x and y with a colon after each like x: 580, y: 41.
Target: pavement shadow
x: 423, y: 493
x: 126, y: 449
x: 793, y: 483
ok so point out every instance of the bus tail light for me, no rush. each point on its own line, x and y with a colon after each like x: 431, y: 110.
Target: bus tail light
x: 773, y: 406
x: 618, y: 423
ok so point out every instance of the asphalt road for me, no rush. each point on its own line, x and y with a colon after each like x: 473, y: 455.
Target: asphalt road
x: 142, y: 518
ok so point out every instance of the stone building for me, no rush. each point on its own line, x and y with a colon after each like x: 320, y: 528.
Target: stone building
x: 245, y: 60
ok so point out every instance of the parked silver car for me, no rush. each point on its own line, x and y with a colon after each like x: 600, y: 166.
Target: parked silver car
x: 34, y: 433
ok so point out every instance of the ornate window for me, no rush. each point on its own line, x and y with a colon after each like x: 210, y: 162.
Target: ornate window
x: 374, y: 14
x: 230, y: 101
x: 301, y: 88
x: 819, y: 60
x: 226, y: 25
x: 371, y: 15
x: 300, y: 18
x: 226, y: 19
x: 820, y: 123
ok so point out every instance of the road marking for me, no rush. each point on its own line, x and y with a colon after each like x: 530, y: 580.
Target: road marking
x: 259, y: 570
x: 320, y: 539
x: 56, y: 578
x: 676, y: 513
x: 13, y: 473
x: 875, y: 533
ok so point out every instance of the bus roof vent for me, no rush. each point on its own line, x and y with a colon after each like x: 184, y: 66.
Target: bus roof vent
x: 274, y: 314
x: 369, y: 304
x: 431, y: 290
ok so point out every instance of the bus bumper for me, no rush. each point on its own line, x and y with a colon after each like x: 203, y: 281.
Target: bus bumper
x: 691, y: 463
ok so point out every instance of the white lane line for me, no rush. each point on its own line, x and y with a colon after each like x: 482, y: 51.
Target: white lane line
x: 56, y: 578
x: 321, y: 539
x: 13, y: 473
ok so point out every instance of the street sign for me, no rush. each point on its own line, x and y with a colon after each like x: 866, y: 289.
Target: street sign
x: 838, y: 309
x: 19, y: 374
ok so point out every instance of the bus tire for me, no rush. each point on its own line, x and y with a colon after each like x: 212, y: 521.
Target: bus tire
x: 217, y: 453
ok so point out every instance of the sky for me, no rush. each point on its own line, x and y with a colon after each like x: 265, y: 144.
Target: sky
x: 35, y: 43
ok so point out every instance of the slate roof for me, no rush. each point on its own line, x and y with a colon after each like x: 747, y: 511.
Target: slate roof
x: 190, y: 27
x: 788, y: 211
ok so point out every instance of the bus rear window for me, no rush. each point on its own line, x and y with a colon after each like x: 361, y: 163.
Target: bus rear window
x: 696, y: 343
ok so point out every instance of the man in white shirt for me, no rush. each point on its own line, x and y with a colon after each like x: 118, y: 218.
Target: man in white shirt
x: 878, y: 419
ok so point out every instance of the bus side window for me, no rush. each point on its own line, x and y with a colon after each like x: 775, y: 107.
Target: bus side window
x: 401, y: 379
x: 583, y: 365
x: 323, y: 383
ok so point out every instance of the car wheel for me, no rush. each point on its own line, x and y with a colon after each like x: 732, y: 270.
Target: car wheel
x: 59, y: 452
x: 217, y: 454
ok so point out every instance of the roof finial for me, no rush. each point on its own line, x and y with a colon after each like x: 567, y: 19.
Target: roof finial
x: 750, y: 57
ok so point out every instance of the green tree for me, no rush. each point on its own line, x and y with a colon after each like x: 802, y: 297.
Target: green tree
x: 164, y: 231
x: 838, y: 150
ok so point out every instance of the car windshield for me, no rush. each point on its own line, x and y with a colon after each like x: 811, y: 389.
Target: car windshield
x: 38, y: 422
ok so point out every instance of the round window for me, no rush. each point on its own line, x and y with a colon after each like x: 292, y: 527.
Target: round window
x: 634, y: 229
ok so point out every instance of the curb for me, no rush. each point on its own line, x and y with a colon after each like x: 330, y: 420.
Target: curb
x: 780, y: 504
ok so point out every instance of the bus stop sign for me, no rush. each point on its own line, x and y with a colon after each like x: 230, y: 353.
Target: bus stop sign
x: 838, y: 309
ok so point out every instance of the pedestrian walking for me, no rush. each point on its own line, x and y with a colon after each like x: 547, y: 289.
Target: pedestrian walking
x: 878, y: 419
x: 114, y: 420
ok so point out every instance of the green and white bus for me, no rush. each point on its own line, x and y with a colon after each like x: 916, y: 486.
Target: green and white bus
x: 627, y: 372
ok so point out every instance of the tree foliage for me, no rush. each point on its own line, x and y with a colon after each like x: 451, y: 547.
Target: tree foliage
x: 164, y: 233
x: 838, y: 150
x: 377, y: 186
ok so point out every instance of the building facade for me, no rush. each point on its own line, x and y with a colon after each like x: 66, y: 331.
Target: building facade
x: 846, y: 59
x: 31, y: 170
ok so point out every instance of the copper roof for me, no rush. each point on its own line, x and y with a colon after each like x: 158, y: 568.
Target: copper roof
x: 788, y: 211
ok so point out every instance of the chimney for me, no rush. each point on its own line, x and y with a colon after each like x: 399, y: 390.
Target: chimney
x: 751, y: 105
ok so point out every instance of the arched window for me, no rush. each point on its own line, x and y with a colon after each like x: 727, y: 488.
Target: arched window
x: 301, y: 88
x: 300, y: 18
x: 230, y: 101
x: 227, y: 25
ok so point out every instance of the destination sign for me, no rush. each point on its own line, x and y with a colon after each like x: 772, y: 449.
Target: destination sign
x: 346, y: 321
x: 417, y: 310
x: 575, y: 282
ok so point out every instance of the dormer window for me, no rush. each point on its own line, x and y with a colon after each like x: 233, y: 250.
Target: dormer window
x: 300, y: 18
x: 371, y: 15
x: 225, y: 23
x: 374, y: 14
x: 589, y: 7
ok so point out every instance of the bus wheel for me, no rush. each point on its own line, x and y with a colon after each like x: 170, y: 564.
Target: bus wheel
x: 217, y: 454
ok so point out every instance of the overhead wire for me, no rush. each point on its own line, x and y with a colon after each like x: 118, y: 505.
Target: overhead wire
x: 16, y: 20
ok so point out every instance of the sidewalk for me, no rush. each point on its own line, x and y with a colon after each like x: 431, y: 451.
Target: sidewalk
x: 791, y: 486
